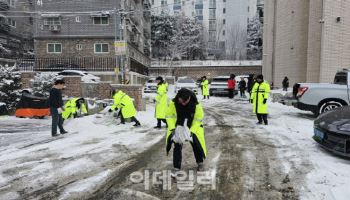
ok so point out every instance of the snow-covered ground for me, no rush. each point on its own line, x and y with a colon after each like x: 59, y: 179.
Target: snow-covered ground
x: 78, y: 162
x: 291, y: 128
x: 30, y: 158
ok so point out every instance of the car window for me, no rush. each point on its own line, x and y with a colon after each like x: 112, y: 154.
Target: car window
x: 63, y: 73
x: 340, y: 78
x: 220, y: 80
x: 185, y: 80
x: 150, y: 81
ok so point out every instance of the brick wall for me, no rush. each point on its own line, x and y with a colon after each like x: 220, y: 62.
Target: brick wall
x: 96, y: 90
x: 73, y: 86
x: 69, y: 48
x: 197, y: 72
x: 25, y: 79
x: 134, y: 91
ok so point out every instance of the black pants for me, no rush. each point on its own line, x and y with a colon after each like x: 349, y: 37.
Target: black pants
x: 159, y: 122
x: 177, y: 154
x: 262, y: 117
x: 122, y: 119
x: 230, y: 93
x: 56, y: 121
x: 242, y: 91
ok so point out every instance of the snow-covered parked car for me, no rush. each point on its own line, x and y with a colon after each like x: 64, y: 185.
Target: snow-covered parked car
x: 186, y: 82
x: 85, y: 77
x: 150, y: 86
x: 332, y: 131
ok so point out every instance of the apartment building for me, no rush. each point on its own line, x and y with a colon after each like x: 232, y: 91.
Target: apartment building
x: 306, y: 40
x: 82, y: 35
x: 222, y: 21
x: 16, y: 39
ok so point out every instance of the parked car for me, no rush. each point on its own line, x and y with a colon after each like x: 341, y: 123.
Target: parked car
x: 151, y: 86
x: 186, y: 82
x: 218, y: 86
x: 60, y: 67
x: 323, y: 97
x: 332, y: 131
x: 85, y: 77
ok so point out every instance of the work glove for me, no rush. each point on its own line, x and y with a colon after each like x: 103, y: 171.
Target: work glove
x: 251, y: 101
x: 110, y: 110
x: 59, y: 110
x: 264, y: 102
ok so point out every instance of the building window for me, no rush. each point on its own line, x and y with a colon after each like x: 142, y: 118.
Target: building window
x: 199, y: 12
x: 11, y: 22
x: 212, y: 35
x: 79, y: 47
x: 223, y: 32
x: 101, y: 48
x: 212, y: 14
x: 224, y: 10
x: 54, y: 48
x: 163, y: 2
x: 248, y: 8
x: 152, y: 2
x: 77, y: 19
x: 52, y: 21
x: 12, y: 3
x: 212, y: 25
x: 101, y: 20
x: 224, y: 21
x: 212, y: 3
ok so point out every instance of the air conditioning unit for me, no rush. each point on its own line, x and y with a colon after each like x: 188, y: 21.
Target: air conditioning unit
x: 55, y: 28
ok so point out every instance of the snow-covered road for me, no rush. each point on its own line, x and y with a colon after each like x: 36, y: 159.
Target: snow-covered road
x: 279, y: 161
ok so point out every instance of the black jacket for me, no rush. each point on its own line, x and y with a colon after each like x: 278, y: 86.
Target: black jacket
x: 285, y: 83
x: 242, y: 85
x: 55, y: 99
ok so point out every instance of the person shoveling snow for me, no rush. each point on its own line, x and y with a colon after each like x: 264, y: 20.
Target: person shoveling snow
x: 185, y: 111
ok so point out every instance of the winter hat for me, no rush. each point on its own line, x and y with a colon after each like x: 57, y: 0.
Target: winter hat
x: 260, y: 76
x: 159, y: 78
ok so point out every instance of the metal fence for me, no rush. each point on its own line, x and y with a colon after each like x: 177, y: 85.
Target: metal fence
x: 59, y: 64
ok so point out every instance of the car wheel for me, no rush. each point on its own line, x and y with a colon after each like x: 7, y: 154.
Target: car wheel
x: 329, y: 105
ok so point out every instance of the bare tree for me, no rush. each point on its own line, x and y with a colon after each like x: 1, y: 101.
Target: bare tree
x: 236, y: 42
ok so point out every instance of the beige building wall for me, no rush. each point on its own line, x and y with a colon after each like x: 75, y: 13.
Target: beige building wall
x: 314, y: 42
x: 304, y: 40
x: 288, y: 56
x: 268, y: 38
x: 335, y: 53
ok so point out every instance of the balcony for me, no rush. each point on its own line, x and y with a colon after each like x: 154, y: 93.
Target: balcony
x: 4, y: 5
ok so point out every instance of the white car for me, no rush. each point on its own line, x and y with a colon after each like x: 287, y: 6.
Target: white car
x: 150, y: 86
x: 85, y: 77
x: 186, y: 82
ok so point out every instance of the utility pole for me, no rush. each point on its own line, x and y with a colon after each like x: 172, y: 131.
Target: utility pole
x: 120, y: 43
